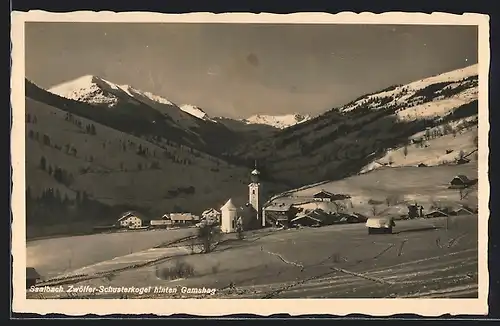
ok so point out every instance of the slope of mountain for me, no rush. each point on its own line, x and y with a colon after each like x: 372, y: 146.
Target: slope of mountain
x: 277, y: 121
x: 346, y: 140
x: 195, y: 111
x: 82, y: 172
x: 143, y: 113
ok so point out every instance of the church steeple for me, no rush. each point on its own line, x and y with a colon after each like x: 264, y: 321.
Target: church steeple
x: 255, y: 191
x: 255, y: 174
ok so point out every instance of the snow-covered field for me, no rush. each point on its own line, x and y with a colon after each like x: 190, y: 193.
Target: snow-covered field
x: 424, y: 185
x: 57, y: 256
x: 437, y: 151
x: 423, y: 258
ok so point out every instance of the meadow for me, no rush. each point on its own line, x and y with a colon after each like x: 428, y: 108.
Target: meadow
x: 55, y: 256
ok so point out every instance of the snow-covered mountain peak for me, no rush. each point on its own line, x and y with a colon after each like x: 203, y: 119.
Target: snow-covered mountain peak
x: 195, y: 111
x: 89, y: 88
x: 96, y: 90
x: 278, y: 121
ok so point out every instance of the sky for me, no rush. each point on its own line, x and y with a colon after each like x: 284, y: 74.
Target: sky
x: 238, y: 70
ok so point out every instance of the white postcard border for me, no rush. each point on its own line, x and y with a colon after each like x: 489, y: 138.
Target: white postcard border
x: 262, y: 307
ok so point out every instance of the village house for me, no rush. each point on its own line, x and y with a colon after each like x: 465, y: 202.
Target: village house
x: 279, y: 213
x: 184, y: 218
x: 32, y: 277
x: 211, y: 215
x: 323, y: 195
x: 130, y: 220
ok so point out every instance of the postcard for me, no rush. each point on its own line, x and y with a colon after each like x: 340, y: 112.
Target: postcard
x: 217, y: 164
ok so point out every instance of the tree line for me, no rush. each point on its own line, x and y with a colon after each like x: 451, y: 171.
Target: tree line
x: 59, y: 174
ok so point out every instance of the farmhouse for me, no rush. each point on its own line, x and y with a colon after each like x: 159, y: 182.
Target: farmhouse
x: 328, y: 207
x: 130, y: 220
x: 323, y: 195
x: 32, y: 277
x: 212, y: 215
x: 279, y: 213
x: 183, y: 218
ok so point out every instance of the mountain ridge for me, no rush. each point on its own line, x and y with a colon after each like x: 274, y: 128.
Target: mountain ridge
x: 344, y: 140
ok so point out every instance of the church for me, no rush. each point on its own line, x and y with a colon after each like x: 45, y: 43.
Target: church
x: 251, y: 215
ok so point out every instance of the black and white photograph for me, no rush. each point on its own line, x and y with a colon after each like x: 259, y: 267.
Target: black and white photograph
x: 255, y: 159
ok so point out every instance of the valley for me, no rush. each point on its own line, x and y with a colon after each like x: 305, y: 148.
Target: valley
x: 95, y: 149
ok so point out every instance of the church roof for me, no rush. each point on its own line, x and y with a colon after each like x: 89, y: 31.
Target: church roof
x: 229, y: 205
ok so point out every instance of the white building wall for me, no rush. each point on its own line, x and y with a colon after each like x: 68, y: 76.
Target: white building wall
x: 228, y: 220
x: 131, y: 222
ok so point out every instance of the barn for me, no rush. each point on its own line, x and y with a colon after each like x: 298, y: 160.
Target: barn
x: 163, y: 223
x: 461, y: 181
x: 184, y: 218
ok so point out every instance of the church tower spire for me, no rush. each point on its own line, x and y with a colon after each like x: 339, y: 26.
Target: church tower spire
x: 255, y: 193
x: 255, y: 174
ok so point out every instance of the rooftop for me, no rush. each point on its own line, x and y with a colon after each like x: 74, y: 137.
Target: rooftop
x: 255, y: 172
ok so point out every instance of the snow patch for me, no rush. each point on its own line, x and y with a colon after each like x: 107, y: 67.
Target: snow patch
x: 195, y: 112
x: 277, y: 121
x: 88, y: 88
x: 401, y: 94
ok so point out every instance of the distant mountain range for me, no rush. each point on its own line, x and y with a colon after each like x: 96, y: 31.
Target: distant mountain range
x: 98, y: 91
x: 95, y: 148
x: 278, y: 121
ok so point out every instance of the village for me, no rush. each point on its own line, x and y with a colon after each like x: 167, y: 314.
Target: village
x: 287, y: 210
